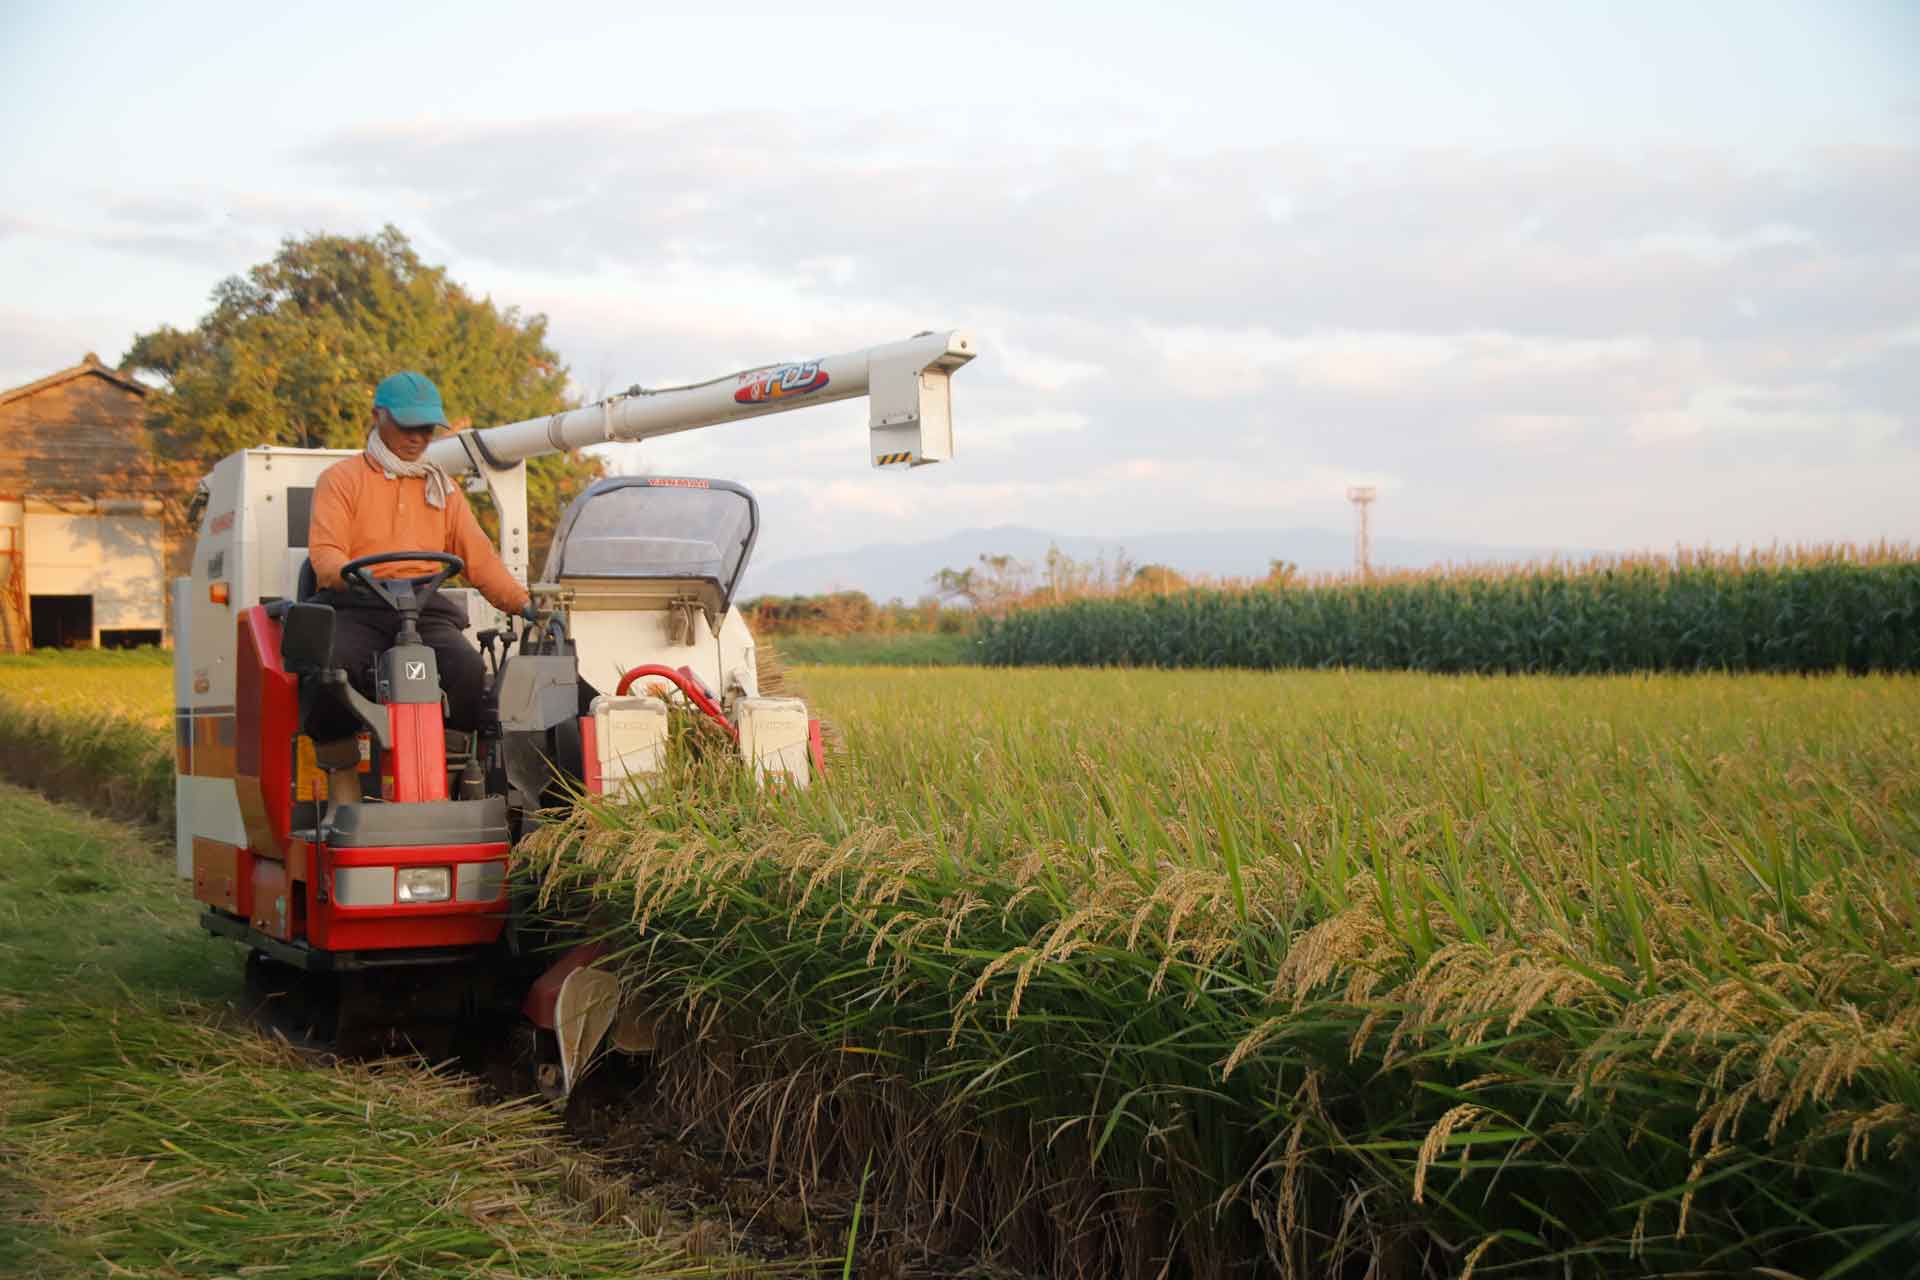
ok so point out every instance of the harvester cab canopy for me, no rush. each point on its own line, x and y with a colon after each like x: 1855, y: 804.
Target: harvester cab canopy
x: 657, y: 538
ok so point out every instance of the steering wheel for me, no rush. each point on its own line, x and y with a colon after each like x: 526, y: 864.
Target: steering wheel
x: 419, y: 590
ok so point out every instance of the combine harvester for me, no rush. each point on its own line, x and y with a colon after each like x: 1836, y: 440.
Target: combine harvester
x: 396, y: 910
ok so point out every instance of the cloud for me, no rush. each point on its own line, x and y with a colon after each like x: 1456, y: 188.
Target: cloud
x: 1732, y: 410
x: 155, y: 210
x: 14, y: 226
x: 218, y: 230
x: 1518, y: 345
x: 1227, y: 362
x: 33, y: 346
x: 1528, y: 428
x: 1012, y: 432
x: 217, y: 250
x: 1566, y: 240
x: 1035, y: 369
x: 1121, y: 495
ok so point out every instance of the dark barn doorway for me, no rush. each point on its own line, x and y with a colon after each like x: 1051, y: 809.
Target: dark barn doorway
x: 62, y: 622
x: 130, y: 638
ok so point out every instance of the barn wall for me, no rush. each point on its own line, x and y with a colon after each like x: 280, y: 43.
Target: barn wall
x: 74, y: 455
x: 82, y: 437
x: 119, y: 560
x: 15, y: 632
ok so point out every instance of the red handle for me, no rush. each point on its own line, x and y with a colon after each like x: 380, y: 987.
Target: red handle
x: 688, y: 684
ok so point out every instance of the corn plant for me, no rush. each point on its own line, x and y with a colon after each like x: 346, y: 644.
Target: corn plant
x: 1835, y: 615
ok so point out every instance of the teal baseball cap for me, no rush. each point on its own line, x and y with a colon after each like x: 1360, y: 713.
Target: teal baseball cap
x: 412, y: 399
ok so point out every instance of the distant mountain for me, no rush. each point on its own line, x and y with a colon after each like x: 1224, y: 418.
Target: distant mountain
x: 905, y: 570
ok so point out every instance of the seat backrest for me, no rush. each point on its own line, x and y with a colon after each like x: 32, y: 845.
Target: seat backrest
x: 309, y: 584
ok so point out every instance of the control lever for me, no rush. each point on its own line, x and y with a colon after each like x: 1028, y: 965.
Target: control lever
x: 488, y: 639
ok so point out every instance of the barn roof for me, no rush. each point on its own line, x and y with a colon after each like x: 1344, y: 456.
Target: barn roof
x: 89, y: 364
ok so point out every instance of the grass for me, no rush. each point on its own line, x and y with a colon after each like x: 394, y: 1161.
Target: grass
x: 1123, y: 970
x: 903, y: 649
x: 92, y: 726
x: 125, y: 684
x: 146, y: 1131
x: 91, y: 909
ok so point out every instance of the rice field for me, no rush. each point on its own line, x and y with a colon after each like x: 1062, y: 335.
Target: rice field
x: 1218, y: 973
x: 134, y: 685
x: 1121, y: 972
x: 92, y: 727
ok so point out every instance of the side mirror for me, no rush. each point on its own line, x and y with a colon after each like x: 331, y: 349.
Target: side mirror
x: 306, y: 638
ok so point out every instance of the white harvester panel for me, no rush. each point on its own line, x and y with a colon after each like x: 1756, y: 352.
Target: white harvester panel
x: 630, y: 741
x: 912, y: 418
x: 250, y: 542
x: 774, y: 738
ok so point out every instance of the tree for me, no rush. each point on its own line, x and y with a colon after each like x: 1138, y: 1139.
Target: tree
x: 1065, y: 576
x: 957, y: 584
x: 291, y: 352
x: 1158, y: 579
x: 991, y: 586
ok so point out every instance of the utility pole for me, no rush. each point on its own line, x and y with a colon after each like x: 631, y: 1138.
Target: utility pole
x: 1361, y: 496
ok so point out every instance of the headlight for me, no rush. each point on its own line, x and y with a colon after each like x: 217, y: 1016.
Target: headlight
x: 424, y: 884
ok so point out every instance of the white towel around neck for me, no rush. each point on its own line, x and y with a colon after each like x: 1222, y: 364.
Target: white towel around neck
x: 439, y: 483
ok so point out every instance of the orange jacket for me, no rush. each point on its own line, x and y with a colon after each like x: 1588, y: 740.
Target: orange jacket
x: 358, y: 511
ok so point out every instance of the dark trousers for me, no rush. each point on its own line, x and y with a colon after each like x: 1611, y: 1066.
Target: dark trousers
x: 364, y: 628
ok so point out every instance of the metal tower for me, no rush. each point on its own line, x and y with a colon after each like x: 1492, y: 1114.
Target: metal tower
x: 1361, y: 496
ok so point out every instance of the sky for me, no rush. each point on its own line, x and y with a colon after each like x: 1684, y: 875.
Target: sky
x: 1585, y: 277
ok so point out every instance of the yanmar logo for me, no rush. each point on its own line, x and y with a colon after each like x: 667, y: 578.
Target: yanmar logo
x: 780, y: 382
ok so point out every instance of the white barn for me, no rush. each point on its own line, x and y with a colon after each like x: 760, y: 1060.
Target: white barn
x: 85, y: 543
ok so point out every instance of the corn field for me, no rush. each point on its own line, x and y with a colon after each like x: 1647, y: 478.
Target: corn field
x: 1700, y: 614
x: 1143, y: 973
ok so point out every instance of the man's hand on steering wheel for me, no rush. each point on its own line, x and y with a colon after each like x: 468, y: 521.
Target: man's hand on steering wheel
x: 420, y: 589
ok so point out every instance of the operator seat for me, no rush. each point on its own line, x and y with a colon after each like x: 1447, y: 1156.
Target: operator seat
x: 459, y: 744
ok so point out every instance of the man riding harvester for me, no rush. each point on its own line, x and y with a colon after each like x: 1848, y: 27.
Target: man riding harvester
x: 352, y: 771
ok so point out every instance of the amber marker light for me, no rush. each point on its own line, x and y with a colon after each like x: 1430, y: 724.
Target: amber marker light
x: 217, y: 592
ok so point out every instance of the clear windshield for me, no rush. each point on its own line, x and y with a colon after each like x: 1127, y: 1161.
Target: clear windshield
x: 645, y: 531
